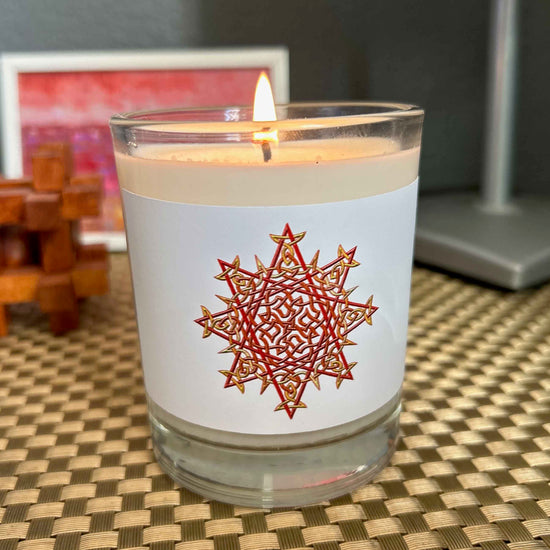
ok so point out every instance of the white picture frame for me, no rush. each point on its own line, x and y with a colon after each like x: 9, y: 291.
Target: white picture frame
x: 275, y: 59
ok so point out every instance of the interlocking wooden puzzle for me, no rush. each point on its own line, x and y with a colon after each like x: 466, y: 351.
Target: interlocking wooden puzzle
x: 41, y: 258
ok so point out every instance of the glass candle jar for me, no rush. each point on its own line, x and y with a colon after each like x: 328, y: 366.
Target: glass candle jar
x: 271, y: 266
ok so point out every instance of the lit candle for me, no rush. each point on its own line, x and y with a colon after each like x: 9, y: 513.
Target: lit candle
x: 264, y: 110
x: 271, y: 266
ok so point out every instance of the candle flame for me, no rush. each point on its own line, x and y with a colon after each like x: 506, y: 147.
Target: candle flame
x: 264, y: 109
x: 264, y: 106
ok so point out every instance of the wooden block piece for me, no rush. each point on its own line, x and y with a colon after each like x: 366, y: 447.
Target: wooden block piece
x: 16, y: 247
x: 75, y: 235
x: 19, y: 285
x: 12, y: 205
x: 57, y: 250
x: 56, y: 293
x: 48, y: 172
x: 90, y: 278
x: 4, y: 320
x: 63, y: 321
x: 26, y: 183
x: 81, y: 200
x: 92, y: 252
x: 87, y: 179
x: 61, y: 148
x: 42, y: 211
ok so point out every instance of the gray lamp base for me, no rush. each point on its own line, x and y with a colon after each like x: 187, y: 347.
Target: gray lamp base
x: 510, y: 249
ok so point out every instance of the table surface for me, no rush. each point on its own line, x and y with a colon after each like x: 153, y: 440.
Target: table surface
x: 472, y: 468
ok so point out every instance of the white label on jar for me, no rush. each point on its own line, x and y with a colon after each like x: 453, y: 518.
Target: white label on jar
x: 272, y: 320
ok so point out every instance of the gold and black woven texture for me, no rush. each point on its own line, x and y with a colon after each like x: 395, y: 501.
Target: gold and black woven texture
x: 472, y: 469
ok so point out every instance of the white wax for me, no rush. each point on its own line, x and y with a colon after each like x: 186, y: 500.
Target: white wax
x: 306, y: 172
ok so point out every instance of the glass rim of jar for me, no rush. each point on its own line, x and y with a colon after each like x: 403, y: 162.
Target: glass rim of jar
x: 201, y: 119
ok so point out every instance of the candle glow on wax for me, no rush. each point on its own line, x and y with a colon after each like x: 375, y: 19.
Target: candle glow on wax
x: 264, y: 111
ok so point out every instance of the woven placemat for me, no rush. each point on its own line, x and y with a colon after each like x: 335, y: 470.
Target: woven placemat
x: 472, y: 470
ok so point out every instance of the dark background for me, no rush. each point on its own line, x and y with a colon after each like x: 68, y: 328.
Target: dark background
x: 429, y: 52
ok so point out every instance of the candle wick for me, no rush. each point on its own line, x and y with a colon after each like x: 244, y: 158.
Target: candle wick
x: 266, y: 150
x: 266, y: 147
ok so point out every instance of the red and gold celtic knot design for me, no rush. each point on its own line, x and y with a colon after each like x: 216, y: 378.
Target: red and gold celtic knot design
x: 288, y: 324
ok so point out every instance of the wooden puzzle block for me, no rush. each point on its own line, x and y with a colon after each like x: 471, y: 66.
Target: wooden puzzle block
x: 87, y: 179
x: 12, y: 205
x: 48, y: 171
x: 92, y: 252
x: 16, y: 247
x: 15, y: 183
x: 4, y: 320
x: 41, y: 258
x: 90, y: 278
x: 80, y: 201
x: 75, y: 234
x: 42, y: 211
x: 63, y: 149
x: 56, y: 293
x: 63, y: 321
x: 56, y: 248
x: 19, y: 285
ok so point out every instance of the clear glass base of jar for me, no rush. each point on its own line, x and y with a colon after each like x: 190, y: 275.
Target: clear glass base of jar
x: 269, y: 471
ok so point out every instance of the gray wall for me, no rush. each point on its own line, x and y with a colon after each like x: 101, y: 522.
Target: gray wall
x: 430, y: 52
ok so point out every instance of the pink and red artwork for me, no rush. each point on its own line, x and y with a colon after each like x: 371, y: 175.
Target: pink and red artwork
x: 76, y: 107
